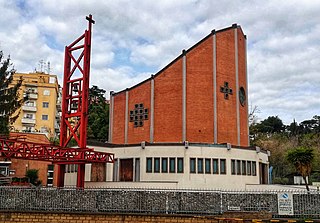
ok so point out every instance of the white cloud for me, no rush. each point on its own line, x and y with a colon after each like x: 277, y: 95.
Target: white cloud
x: 132, y: 38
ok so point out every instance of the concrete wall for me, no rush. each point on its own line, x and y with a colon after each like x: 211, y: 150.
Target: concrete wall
x: 185, y: 179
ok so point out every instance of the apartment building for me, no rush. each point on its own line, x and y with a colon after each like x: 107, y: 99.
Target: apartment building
x: 40, y: 113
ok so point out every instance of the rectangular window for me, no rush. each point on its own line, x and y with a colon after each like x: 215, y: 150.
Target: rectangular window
x: 164, y: 166
x: 207, y: 165
x: 244, y: 167
x: 249, y: 168
x: 172, y: 167
x: 180, y: 165
x: 29, y: 116
x: 45, y: 104
x: 254, y: 168
x: 44, y: 117
x: 46, y: 92
x: 192, y: 165
x: 223, y: 166
x: 157, y: 165
x: 233, y: 167
x: 200, y: 165
x: 238, y: 167
x: 215, y: 164
x: 149, y: 165
x: 137, y: 170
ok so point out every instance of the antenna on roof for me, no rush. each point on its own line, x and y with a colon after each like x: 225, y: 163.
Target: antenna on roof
x: 48, y: 67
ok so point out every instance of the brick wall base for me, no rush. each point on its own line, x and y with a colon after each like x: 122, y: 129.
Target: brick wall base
x: 7, y: 217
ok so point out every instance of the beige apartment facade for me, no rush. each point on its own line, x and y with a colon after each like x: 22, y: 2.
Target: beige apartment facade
x: 40, y: 113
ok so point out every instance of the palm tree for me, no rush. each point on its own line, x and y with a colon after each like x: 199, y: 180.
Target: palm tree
x: 302, y: 158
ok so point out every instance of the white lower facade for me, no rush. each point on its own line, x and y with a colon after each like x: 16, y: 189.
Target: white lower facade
x: 198, y: 166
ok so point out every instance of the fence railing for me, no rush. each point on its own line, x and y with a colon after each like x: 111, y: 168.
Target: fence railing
x: 155, y: 201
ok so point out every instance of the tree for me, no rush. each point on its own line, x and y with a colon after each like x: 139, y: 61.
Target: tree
x: 98, y: 120
x: 302, y: 158
x: 273, y: 124
x: 33, y: 176
x: 10, y: 101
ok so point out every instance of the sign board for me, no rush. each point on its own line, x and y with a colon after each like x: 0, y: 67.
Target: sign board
x: 234, y: 208
x: 285, y: 203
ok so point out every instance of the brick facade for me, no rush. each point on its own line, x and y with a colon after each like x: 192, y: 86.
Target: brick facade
x: 186, y: 98
x: 7, y: 217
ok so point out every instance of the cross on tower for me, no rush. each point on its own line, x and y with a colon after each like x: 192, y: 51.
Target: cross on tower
x: 226, y: 90
x: 91, y: 21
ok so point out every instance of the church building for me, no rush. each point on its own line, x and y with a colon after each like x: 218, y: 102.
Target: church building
x: 187, y: 125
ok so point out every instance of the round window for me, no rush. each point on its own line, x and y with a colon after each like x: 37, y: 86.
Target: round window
x: 242, y: 96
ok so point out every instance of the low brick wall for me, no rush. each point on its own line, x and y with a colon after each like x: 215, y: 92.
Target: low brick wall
x: 8, y: 217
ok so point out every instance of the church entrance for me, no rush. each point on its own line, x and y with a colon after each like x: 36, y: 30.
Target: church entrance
x: 126, y: 170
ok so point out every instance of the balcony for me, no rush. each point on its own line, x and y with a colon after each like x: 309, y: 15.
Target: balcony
x: 28, y: 121
x: 32, y: 95
x: 29, y: 108
x: 58, y: 105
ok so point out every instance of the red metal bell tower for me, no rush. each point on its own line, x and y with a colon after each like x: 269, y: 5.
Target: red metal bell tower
x: 75, y: 98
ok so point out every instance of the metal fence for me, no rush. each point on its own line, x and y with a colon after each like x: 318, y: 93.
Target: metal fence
x: 155, y: 201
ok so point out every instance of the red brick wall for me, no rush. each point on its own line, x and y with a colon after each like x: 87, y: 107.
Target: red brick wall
x: 168, y: 104
x: 199, y: 97
x: 140, y: 94
x: 243, y: 83
x: 226, y: 109
x: 119, y: 118
x: 200, y: 93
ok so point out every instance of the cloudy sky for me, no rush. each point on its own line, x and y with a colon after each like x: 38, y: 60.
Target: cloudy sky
x: 135, y: 38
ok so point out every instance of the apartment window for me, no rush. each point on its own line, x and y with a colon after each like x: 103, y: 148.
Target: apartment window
x: 46, y: 92
x: 149, y: 165
x: 157, y: 165
x: 207, y: 165
x: 244, y: 167
x: 45, y: 117
x: 254, y: 168
x: 238, y: 167
x: 164, y: 166
x: 45, y: 104
x: 180, y: 165
x: 233, y: 167
x: 223, y: 166
x: 200, y: 165
x: 29, y: 116
x: 29, y: 103
x: 172, y: 166
x: 192, y: 165
x: 215, y: 164
x: 249, y: 168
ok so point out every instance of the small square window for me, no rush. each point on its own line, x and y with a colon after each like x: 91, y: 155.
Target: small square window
x: 46, y: 92
x: 45, y: 104
x: 45, y: 117
x: 146, y: 116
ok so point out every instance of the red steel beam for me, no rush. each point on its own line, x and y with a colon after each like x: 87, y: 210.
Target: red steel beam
x: 56, y: 154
